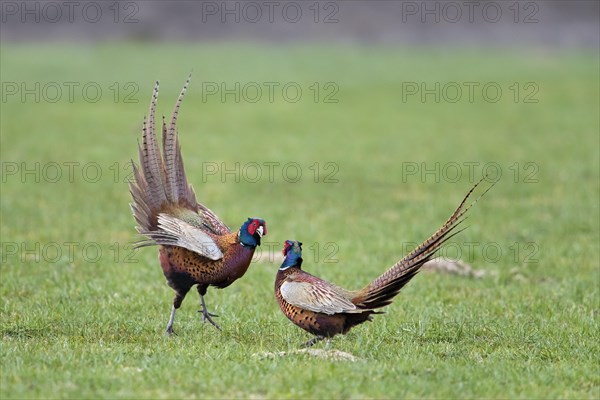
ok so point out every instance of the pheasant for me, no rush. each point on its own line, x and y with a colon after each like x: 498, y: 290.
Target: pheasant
x: 195, y: 246
x: 325, y: 310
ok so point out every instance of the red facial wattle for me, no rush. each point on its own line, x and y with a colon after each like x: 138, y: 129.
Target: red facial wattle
x: 252, y: 227
x: 286, y: 248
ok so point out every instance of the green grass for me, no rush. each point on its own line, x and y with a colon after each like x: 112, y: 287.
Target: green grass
x: 77, y: 327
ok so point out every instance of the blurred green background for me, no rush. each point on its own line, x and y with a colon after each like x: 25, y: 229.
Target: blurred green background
x: 82, y: 314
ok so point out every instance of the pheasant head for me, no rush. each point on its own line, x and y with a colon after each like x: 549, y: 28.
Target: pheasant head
x: 252, y: 231
x: 292, y: 251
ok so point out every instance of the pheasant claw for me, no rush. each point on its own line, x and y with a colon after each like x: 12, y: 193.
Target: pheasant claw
x: 312, y: 341
x: 209, y: 314
x: 206, y: 316
x: 170, y: 331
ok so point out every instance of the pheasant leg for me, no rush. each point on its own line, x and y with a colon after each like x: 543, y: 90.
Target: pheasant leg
x: 313, y: 341
x: 206, y: 316
x: 170, y: 324
x: 176, y: 304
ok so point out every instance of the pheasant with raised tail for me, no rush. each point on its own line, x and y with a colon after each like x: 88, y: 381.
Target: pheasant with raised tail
x: 195, y: 246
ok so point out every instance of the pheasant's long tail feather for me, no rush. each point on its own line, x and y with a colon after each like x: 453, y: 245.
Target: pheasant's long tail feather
x: 159, y: 181
x: 176, y: 182
x: 382, y: 290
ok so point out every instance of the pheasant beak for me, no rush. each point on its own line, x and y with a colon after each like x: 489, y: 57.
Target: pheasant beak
x: 260, y: 231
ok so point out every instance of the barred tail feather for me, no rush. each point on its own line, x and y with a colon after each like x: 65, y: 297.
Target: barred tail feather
x: 382, y: 290
x: 176, y: 182
x: 160, y: 179
x: 152, y: 162
x: 140, y: 208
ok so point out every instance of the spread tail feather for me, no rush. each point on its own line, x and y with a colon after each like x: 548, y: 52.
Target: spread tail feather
x: 382, y: 290
x: 176, y: 182
x: 160, y: 179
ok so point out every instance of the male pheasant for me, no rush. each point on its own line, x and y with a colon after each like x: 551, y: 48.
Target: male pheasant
x: 195, y: 246
x: 325, y: 310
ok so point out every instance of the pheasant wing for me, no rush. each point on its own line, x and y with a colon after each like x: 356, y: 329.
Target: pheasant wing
x: 173, y: 231
x: 319, y: 296
x: 211, y: 221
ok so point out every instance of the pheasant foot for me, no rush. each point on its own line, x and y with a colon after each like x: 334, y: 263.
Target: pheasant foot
x: 312, y: 341
x: 206, y: 316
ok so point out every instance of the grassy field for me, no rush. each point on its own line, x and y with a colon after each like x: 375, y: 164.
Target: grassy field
x: 83, y: 316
